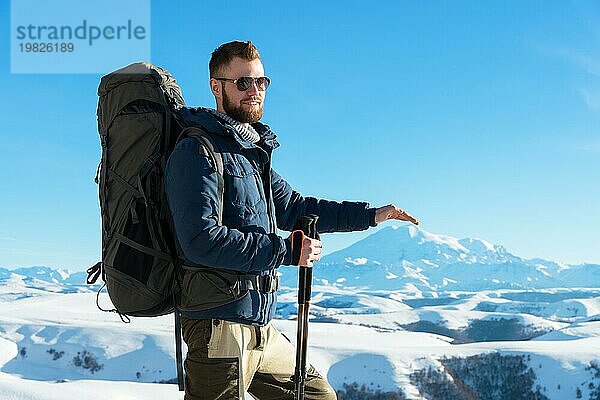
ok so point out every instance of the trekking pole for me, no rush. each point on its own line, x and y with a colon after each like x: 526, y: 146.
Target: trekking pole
x: 305, y: 226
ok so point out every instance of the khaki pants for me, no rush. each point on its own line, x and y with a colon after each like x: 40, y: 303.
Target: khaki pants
x: 226, y: 359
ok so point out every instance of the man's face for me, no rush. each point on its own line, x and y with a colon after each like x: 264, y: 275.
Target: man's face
x: 246, y: 106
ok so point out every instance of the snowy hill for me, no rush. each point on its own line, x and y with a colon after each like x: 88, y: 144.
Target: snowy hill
x: 383, y: 312
x: 57, y: 345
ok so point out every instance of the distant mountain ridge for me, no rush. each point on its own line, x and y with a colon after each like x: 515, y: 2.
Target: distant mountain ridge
x: 407, y: 258
x: 45, y: 274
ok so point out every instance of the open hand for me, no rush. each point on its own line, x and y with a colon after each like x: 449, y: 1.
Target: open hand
x: 392, y: 212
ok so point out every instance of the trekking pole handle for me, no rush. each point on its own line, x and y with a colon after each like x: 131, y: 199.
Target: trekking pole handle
x: 305, y: 226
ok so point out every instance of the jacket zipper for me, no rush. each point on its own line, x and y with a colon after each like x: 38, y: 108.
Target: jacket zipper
x: 263, y: 309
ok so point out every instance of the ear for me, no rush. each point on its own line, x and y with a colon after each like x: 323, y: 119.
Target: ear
x: 215, y: 88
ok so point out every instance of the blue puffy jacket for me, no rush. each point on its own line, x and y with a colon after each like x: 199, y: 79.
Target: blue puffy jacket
x: 245, y: 246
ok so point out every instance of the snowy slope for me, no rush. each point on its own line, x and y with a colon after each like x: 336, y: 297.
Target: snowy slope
x: 392, y: 303
x: 344, y: 353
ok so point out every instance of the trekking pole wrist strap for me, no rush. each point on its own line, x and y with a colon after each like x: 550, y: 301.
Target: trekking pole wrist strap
x: 297, y: 241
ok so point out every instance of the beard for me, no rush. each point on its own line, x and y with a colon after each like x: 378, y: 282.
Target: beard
x: 236, y: 111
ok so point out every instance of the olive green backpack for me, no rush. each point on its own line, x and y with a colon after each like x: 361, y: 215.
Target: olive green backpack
x: 140, y: 111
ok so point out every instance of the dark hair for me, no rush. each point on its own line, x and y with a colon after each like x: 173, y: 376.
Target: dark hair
x: 227, y: 51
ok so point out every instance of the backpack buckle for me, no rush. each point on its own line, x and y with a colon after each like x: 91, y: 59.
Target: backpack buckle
x: 94, y: 272
x: 269, y: 283
x: 236, y: 289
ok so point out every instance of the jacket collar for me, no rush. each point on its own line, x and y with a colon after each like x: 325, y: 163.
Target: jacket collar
x: 267, y: 136
x: 216, y: 126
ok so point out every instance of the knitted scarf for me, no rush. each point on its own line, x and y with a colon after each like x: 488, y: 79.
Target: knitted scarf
x: 246, y: 131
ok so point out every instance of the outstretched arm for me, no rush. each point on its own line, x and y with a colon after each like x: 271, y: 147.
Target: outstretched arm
x: 334, y: 216
x: 345, y: 216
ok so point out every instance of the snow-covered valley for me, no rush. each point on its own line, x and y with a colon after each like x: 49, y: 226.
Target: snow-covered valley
x: 396, y: 303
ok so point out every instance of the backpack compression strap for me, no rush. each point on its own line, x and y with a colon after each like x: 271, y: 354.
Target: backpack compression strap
x: 208, y: 149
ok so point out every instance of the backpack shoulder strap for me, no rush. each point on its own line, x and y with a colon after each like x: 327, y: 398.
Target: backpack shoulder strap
x: 207, y: 147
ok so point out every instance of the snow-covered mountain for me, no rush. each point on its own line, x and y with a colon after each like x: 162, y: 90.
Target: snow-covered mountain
x: 410, y: 243
x: 408, y: 258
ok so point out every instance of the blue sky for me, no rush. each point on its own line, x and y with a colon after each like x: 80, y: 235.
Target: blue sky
x: 482, y: 119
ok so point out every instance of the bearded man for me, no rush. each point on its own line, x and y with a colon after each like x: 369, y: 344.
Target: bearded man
x: 231, y: 246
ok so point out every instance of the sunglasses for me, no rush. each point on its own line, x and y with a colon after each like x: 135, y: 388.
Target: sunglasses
x: 244, y: 83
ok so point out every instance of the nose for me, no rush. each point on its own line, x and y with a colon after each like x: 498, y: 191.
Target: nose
x: 253, y: 89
